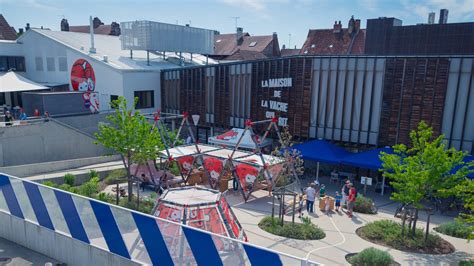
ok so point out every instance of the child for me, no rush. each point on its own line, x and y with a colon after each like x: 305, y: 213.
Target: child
x: 300, y: 206
x: 338, y: 199
x: 326, y: 204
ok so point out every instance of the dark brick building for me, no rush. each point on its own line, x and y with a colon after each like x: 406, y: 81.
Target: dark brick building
x: 387, y: 36
x: 359, y: 101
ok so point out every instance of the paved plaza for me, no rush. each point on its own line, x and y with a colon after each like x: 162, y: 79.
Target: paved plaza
x: 341, y: 238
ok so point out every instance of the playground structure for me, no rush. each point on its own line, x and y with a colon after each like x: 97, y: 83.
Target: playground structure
x: 253, y: 170
x: 201, y: 208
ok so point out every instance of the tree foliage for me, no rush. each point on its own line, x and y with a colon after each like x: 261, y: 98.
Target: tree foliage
x: 424, y: 169
x: 129, y: 134
x: 465, y: 191
x: 292, y: 157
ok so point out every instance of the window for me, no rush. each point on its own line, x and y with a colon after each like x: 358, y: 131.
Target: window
x: 50, y: 64
x: 11, y: 63
x: 39, y: 63
x: 252, y: 44
x: 20, y: 64
x: 146, y: 99
x: 112, y: 99
x: 62, y: 64
x: 3, y: 64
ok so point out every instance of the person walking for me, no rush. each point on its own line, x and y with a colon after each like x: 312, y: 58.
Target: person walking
x: 310, y: 197
x: 351, y: 200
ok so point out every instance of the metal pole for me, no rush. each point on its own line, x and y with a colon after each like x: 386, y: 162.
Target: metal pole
x: 383, y: 185
x: 317, y: 171
x: 117, y: 199
x: 273, y: 206
x: 147, y: 58
x: 294, y: 203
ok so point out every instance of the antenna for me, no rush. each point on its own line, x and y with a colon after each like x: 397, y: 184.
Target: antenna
x: 236, y: 19
x: 289, y: 40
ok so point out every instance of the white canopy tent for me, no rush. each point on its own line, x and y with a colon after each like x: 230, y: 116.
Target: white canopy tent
x: 12, y: 82
x: 231, y: 137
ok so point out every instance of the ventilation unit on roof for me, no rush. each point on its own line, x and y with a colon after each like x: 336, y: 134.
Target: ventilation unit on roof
x: 155, y: 36
x: 252, y: 44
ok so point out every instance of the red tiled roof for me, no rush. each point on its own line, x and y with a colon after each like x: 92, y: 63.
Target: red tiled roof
x: 326, y: 42
x: 289, y: 52
x: 246, y: 55
x: 6, y: 31
x: 226, y: 44
x: 102, y: 29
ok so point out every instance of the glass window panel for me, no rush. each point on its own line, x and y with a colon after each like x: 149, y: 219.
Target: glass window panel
x: 54, y: 210
x: 131, y: 235
x: 176, y: 242
x: 89, y: 222
x: 39, y: 63
x: 3, y: 203
x: 23, y: 200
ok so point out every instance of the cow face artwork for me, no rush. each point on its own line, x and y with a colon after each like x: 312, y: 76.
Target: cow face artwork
x: 229, y: 135
x: 91, y: 101
x: 214, y: 166
x: 186, y: 163
x: 247, y: 175
x: 82, y: 76
x: 83, y: 80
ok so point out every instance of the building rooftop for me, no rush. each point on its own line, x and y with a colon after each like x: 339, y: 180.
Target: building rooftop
x: 106, y: 45
x: 226, y: 44
x: 326, y: 42
x: 6, y: 31
x: 289, y: 52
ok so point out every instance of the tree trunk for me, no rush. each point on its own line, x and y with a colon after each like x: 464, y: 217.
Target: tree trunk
x: 427, y: 227
x: 414, y: 223
x: 129, y: 176
x: 404, y: 218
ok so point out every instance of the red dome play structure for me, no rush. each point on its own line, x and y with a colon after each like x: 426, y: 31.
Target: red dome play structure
x: 201, y: 208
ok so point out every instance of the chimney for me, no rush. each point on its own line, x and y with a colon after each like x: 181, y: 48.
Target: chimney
x: 431, y: 17
x: 115, y: 29
x: 443, y: 16
x: 337, y: 27
x: 357, y: 25
x: 91, y: 32
x: 351, y: 26
x: 276, y: 45
x: 64, y: 25
x: 20, y: 31
x: 96, y: 22
x: 27, y: 26
x: 240, y: 35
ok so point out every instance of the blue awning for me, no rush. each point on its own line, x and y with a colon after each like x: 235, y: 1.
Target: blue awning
x: 466, y: 159
x: 366, y: 159
x: 322, y: 151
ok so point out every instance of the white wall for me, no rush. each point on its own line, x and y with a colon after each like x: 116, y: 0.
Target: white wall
x: 10, y: 48
x: 141, y: 81
x: 36, y: 45
x: 108, y: 81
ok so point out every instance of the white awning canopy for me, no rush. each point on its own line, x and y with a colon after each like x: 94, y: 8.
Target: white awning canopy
x: 12, y: 81
x: 231, y: 137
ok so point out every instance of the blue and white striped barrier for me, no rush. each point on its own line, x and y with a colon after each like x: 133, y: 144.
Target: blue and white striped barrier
x: 132, y: 235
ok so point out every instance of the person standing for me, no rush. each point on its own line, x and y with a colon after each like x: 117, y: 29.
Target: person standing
x: 310, y: 197
x: 322, y: 191
x: 23, y: 115
x: 8, y: 118
x: 338, y: 199
x: 345, y: 193
x: 351, y: 200
x: 300, y: 206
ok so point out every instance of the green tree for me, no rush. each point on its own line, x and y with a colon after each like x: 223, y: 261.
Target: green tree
x: 424, y: 169
x: 464, y: 190
x: 129, y: 134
